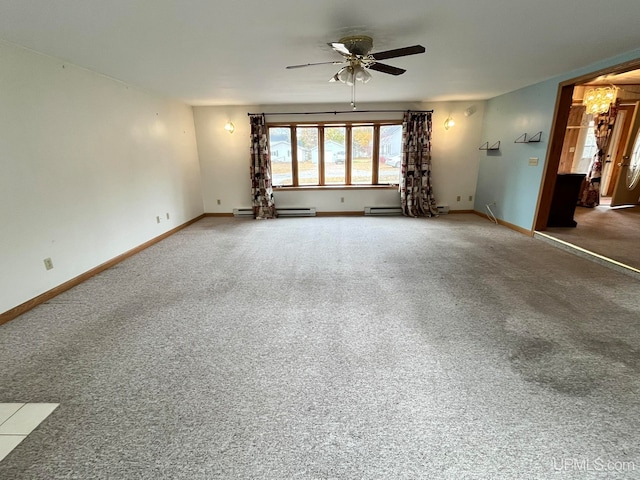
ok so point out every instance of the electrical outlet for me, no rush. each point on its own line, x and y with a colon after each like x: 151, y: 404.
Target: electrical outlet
x: 167, y: 215
x: 341, y: 199
x: 218, y: 201
x: 48, y: 263
x: 533, y: 161
x: 458, y: 198
x: 158, y: 219
x: 470, y: 198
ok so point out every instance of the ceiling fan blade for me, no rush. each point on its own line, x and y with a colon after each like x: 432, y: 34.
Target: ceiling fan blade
x: 340, y: 48
x: 312, y: 64
x: 381, y: 67
x: 399, y: 52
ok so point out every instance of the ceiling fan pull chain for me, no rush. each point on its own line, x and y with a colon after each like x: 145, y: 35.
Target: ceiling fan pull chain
x: 353, y: 95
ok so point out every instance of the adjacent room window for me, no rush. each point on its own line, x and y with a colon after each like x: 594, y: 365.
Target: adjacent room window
x: 363, y: 153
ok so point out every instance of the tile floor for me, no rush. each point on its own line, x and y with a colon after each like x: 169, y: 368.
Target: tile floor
x: 17, y: 420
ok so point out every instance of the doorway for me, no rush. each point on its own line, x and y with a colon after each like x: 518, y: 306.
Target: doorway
x: 571, y: 150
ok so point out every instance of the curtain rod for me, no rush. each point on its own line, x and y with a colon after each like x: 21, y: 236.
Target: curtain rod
x: 342, y: 111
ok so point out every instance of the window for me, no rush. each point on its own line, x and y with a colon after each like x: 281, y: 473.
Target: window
x: 590, y: 147
x: 335, y: 156
x: 390, y: 155
x: 366, y: 153
x: 280, y: 150
x: 362, y: 155
x: 308, y: 156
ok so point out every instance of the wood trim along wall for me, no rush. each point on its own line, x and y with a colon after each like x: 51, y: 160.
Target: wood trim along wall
x: 507, y: 224
x: 48, y: 295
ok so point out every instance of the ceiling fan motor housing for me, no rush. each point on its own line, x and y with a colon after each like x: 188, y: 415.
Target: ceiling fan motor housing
x: 358, y: 44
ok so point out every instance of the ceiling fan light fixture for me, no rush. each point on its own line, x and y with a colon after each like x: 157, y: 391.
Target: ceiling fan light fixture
x: 346, y: 75
x: 362, y: 75
x: 343, y: 74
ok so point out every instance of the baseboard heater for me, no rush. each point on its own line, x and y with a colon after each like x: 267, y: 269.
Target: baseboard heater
x: 243, y: 212
x: 296, y: 212
x: 382, y: 211
x: 442, y: 210
x: 281, y: 212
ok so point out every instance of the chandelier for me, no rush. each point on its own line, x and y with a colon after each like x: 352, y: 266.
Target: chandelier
x: 598, y: 100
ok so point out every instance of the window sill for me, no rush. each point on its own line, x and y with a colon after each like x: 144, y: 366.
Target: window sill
x: 334, y: 187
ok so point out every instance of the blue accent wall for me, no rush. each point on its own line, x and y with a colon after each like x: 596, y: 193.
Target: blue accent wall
x: 505, y: 176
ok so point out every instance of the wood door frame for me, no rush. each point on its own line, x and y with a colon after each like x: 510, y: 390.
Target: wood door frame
x: 564, y: 99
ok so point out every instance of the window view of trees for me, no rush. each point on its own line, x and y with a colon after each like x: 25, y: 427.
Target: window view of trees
x: 335, y: 154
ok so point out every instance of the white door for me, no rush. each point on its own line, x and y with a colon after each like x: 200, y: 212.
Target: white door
x: 627, y: 189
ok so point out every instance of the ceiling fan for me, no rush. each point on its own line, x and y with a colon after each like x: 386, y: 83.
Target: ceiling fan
x: 357, y: 60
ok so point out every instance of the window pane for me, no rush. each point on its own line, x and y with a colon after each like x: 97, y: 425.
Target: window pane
x: 390, y: 153
x: 280, y: 150
x: 361, y: 155
x: 307, y: 155
x: 334, y: 155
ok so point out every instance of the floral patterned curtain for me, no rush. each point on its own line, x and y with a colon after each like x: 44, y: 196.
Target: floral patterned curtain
x: 604, y: 122
x: 416, y: 192
x: 261, y: 189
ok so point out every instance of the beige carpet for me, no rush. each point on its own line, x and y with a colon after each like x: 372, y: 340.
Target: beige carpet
x: 333, y: 348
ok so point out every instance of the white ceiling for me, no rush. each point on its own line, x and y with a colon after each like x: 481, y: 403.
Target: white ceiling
x: 213, y: 52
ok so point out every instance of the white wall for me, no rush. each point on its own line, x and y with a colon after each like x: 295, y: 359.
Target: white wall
x: 87, y: 163
x: 224, y: 157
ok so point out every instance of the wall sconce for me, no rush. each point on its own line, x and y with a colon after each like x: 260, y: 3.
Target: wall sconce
x: 448, y: 123
x: 229, y: 127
